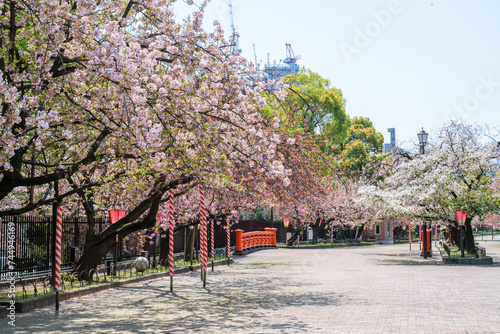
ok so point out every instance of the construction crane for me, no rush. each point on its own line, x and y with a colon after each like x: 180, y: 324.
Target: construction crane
x: 234, y: 40
x: 290, y: 56
x: 288, y: 66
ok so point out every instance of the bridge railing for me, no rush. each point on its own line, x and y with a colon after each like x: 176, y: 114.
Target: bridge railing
x: 256, y: 239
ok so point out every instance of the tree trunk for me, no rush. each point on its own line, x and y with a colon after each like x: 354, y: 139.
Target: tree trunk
x: 455, y: 235
x: 339, y: 233
x: 191, y: 238
x: 164, y: 245
x: 360, y: 232
x: 97, y: 245
x: 292, y: 239
x: 316, y: 231
x: 470, y: 246
x: 92, y: 256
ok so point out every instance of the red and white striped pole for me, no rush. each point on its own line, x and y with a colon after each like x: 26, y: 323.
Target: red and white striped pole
x: 212, y: 251
x: 409, y: 234
x: 331, y: 233
x: 228, y: 237
x: 57, y: 281
x: 436, y: 235
x: 171, y: 225
x: 420, y: 237
x: 203, y: 237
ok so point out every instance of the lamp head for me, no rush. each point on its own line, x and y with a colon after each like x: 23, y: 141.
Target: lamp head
x: 422, y: 137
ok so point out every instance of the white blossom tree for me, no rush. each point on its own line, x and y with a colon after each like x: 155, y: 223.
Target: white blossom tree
x: 452, y: 175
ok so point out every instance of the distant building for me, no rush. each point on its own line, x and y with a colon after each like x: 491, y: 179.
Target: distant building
x: 388, y: 148
x: 288, y: 66
x: 276, y: 72
x: 381, y: 231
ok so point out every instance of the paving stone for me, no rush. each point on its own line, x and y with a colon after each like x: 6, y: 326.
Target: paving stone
x: 378, y: 289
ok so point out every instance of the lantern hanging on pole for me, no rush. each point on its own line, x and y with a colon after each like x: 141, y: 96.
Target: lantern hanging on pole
x: 115, y: 215
x: 286, y: 222
x: 461, y: 216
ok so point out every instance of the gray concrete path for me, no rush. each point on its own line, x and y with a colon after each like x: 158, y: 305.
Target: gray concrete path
x: 377, y: 289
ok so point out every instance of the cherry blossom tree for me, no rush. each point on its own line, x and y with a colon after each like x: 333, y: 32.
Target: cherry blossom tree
x: 452, y: 175
x: 118, y: 103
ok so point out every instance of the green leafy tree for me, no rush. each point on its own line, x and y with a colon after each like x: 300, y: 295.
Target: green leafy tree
x: 362, y: 129
x: 362, y: 146
x: 355, y: 156
x: 318, y: 106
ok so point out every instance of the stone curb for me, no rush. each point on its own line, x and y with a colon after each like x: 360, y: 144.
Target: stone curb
x: 26, y: 305
x: 325, y: 246
x: 251, y: 250
x: 477, y: 262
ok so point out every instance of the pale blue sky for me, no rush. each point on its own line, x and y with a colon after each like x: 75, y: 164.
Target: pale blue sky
x: 406, y: 64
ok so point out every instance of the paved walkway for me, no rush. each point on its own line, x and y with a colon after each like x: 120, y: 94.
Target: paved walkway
x: 376, y: 289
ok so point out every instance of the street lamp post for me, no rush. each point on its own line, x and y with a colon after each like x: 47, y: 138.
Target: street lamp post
x: 461, y: 216
x: 422, y: 139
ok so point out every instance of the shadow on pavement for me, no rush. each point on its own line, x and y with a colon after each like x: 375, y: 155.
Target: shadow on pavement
x: 151, y: 308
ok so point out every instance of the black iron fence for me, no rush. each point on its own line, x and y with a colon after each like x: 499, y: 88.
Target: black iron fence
x: 33, y: 243
x: 32, y: 240
x: 31, y: 249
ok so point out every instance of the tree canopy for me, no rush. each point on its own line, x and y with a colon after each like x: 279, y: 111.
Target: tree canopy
x: 119, y: 103
x: 114, y: 103
x: 362, y: 130
x: 362, y: 147
x: 454, y: 174
x: 319, y: 106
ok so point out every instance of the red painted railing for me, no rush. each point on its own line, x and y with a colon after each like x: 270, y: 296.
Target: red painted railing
x: 249, y: 240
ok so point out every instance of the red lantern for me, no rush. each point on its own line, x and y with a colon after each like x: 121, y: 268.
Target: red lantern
x: 461, y: 216
x: 286, y: 221
x: 115, y: 215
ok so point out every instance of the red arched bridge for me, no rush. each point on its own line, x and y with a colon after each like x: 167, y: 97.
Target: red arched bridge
x: 247, y: 241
